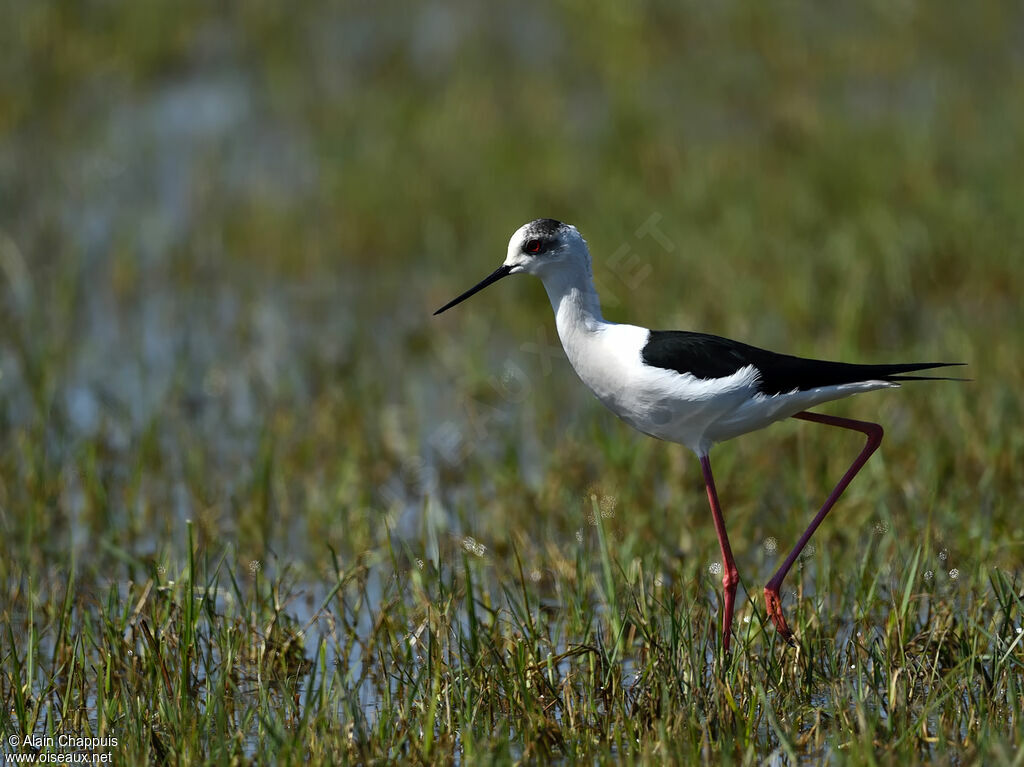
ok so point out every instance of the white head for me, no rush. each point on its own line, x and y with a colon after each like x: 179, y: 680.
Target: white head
x: 543, y: 247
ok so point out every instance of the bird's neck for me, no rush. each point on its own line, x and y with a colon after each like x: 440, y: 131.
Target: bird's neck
x: 577, y: 307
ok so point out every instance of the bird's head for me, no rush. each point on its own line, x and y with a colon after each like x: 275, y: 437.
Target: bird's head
x: 542, y: 247
x: 545, y: 245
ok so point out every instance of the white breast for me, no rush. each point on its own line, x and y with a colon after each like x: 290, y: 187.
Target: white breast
x: 662, y: 403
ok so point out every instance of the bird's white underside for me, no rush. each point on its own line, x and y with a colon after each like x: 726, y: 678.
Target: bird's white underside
x: 679, y: 407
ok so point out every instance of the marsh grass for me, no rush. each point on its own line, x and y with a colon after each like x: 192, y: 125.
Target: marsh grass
x: 256, y: 506
x: 595, y: 657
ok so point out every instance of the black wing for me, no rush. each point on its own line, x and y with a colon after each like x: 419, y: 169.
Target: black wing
x: 708, y: 356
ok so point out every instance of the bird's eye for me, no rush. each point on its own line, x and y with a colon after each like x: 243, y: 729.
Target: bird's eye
x: 534, y: 246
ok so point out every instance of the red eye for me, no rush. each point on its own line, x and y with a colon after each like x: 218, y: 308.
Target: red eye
x: 533, y: 246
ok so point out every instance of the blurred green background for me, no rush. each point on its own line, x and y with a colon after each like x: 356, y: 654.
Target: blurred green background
x: 224, y: 227
x: 223, y: 230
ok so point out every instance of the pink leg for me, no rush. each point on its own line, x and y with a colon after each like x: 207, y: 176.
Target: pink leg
x: 731, y: 577
x: 874, y: 434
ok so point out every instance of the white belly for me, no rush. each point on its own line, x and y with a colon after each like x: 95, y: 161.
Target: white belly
x: 661, y: 403
x: 679, y: 407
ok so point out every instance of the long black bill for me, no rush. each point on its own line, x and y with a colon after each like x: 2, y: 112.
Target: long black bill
x: 501, y: 271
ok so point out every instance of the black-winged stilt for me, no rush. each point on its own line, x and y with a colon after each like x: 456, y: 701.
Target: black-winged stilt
x: 690, y: 388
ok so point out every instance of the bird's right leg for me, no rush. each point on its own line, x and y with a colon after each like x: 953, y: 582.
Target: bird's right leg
x: 873, y: 432
x: 731, y: 576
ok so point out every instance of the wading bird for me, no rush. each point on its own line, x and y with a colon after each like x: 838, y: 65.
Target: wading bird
x: 690, y: 388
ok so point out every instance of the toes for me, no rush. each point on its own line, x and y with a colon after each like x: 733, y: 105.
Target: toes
x: 774, y: 606
x: 784, y: 631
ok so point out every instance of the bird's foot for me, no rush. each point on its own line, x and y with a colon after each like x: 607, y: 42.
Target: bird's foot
x: 774, y: 604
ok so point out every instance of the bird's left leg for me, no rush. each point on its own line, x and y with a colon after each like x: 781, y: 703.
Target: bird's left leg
x: 731, y: 576
x: 874, y: 434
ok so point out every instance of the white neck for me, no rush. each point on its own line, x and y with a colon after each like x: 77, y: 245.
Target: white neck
x: 574, y: 299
